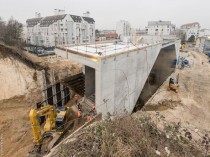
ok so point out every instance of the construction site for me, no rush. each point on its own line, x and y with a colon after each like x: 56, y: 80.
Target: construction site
x: 74, y: 102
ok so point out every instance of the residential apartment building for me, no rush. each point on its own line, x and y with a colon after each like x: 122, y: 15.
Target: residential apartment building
x: 123, y: 28
x: 203, y: 44
x: 60, y: 29
x: 191, y: 30
x: 160, y: 28
x: 33, y: 31
x: 204, y: 32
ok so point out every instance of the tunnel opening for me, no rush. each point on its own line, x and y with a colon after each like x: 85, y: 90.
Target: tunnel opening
x: 83, y: 84
x: 90, y: 84
x: 163, y: 67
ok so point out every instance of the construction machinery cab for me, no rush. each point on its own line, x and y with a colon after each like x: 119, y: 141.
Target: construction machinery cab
x: 173, y: 84
x: 63, y: 117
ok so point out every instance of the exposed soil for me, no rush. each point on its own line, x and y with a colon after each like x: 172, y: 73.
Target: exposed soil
x: 20, y: 91
x: 191, y: 104
x: 15, y: 127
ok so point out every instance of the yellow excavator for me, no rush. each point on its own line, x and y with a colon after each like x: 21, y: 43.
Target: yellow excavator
x: 56, y: 121
x: 174, y: 83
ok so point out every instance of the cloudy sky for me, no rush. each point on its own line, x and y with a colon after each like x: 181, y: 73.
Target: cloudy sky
x: 107, y: 12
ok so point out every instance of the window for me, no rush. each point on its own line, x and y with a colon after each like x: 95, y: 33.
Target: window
x: 156, y: 30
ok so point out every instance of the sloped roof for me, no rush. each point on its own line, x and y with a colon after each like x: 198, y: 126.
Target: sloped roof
x: 89, y: 20
x: 190, y: 24
x: 45, y: 22
x: 76, y: 18
x: 34, y: 21
x: 202, y: 30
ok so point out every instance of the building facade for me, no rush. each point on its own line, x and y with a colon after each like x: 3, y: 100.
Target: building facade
x: 60, y: 29
x: 160, y: 28
x: 204, y: 32
x: 191, y: 30
x: 123, y: 28
x: 203, y: 44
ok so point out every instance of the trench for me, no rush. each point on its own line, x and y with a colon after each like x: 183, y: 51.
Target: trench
x: 163, y: 67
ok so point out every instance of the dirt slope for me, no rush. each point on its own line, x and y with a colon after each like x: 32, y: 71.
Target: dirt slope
x: 191, y: 105
x: 15, y: 127
x: 16, y: 78
x: 20, y: 90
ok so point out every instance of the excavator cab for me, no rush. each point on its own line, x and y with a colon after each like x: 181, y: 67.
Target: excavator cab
x: 63, y: 117
x: 173, y: 84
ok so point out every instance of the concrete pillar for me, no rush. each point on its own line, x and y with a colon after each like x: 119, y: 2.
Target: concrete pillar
x: 89, y: 81
x: 52, y: 75
x: 62, y: 94
x: 43, y: 86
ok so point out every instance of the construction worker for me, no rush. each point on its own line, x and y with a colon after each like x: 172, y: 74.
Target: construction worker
x: 79, y: 106
x: 88, y: 117
x: 79, y: 116
x: 94, y: 109
x: 79, y: 113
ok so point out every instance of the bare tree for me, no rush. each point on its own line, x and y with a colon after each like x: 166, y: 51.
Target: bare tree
x: 11, y: 31
x: 2, y: 29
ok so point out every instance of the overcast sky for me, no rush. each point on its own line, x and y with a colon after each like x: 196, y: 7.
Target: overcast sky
x: 107, y: 12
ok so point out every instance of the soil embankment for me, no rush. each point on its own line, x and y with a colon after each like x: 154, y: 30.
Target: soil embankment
x: 190, y: 105
x: 20, y: 84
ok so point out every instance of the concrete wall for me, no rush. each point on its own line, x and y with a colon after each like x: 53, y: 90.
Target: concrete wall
x: 89, y: 81
x: 80, y: 59
x: 122, y: 80
x: 164, y: 66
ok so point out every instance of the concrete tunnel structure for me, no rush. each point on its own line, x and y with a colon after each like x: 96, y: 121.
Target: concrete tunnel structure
x: 117, y: 72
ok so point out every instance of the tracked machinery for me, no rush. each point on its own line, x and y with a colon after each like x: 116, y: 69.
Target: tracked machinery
x: 174, y: 83
x: 55, y: 125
